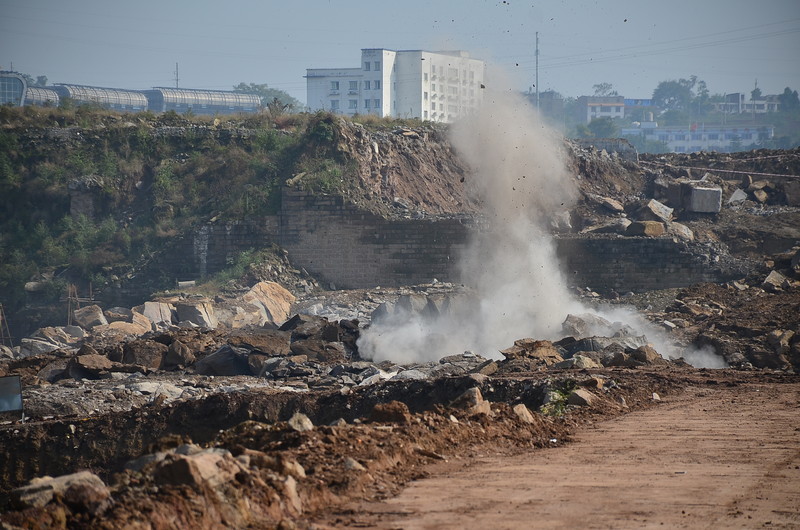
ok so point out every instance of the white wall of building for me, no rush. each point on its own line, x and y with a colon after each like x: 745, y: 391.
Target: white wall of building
x: 436, y: 86
x: 329, y: 88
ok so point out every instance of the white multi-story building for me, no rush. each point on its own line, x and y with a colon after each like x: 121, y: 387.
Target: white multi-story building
x: 436, y: 86
x: 595, y: 107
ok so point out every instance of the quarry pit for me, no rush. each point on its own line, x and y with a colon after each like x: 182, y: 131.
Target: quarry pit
x: 308, y: 397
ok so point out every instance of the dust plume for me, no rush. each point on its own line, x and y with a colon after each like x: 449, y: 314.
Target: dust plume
x: 518, y: 175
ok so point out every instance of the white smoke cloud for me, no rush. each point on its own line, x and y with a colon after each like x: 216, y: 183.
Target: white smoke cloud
x: 519, y: 176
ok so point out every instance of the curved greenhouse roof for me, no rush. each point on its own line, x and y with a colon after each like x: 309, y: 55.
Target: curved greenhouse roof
x: 201, y: 101
x: 108, y: 97
x: 12, y: 88
x: 41, y: 96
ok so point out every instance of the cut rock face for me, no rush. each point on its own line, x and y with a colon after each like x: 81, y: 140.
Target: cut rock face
x: 198, y: 313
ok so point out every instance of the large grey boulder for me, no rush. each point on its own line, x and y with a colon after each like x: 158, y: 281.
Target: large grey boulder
x: 148, y: 353
x: 227, y: 360
x: 200, y: 313
x: 159, y: 313
x: 29, y: 347
x: 88, y: 366
x: 39, y: 491
x: 89, y: 316
x: 179, y: 355
x: 654, y: 210
x: 585, y: 324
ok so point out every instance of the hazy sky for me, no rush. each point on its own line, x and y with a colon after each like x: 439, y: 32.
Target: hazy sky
x: 632, y: 44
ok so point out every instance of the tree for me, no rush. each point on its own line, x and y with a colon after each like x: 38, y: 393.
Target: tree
x: 603, y: 128
x: 755, y: 94
x: 582, y: 131
x: 268, y: 94
x: 674, y: 95
x: 604, y: 90
x: 701, y: 104
x: 789, y: 100
x: 41, y: 80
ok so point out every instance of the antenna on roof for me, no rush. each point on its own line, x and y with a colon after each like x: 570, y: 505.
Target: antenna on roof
x: 537, y: 70
x: 176, y: 75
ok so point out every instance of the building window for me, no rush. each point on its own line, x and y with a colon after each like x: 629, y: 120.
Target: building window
x: 377, y: 85
x: 747, y: 136
x: 713, y: 136
x: 334, y: 85
x: 680, y: 137
x: 663, y: 137
x: 425, y: 77
x: 377, y: 66
x: 366, y: 103
x: 433, y: 87
x: 433, y: 106
x: 377, y: 103
x: 366, y: 85
x: 617, y: 109
x: 367, y: 65
x: 426, y: 114
x: 425, y: 96
x: 696, y: 136
x: 334, y: 104
x: 353, y: 85
x: 352, y: 103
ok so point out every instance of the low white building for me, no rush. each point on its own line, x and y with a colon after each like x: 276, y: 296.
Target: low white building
x: 435, y: 86
x: 699, y: 137
x: 594, y: 107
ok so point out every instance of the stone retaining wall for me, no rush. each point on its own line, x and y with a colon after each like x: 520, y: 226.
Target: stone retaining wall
x: 623, y: 264
x: 347, y: 247
x: 351, y: 248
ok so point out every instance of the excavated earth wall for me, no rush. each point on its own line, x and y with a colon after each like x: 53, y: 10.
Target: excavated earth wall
x: 344, y: 245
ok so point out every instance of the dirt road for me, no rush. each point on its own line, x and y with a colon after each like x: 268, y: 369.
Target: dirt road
x: 714, y: 457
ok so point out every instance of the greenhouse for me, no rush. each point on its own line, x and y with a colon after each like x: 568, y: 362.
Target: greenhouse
x: 41, y: 96
x: 12, y: 88
x: 201, y: 101
x: 112, y: 98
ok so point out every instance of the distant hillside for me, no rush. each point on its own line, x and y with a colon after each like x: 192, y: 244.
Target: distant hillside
x: 90, y: 196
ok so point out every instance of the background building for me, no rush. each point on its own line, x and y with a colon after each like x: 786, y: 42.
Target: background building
x: 12, y: 89
x: 698, y: 137
x: 436, y: 86
x: 593, y: 107
x: 210, y: 102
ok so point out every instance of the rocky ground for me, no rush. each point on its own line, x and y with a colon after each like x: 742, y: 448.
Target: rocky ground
x: 254, y: 408
x: 286, y: 426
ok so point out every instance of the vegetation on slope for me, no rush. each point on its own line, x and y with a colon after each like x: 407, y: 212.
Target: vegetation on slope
x: 149, y: 178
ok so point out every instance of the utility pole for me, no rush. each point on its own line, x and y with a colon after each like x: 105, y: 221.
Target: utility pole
x: 537, y: 71
x: 176, y: 75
